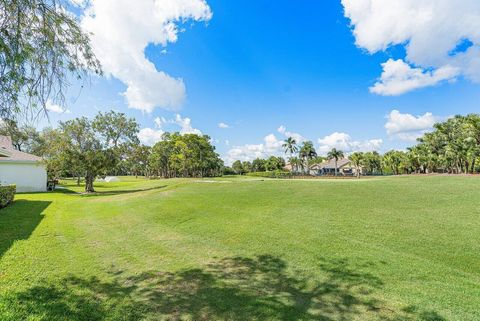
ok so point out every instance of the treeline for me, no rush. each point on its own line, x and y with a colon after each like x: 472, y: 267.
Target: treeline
x: 108, y: 145
x: 452, y: 147
x: 188, y: 155
x: 272, y: 163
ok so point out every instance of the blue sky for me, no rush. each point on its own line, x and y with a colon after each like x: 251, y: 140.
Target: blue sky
x: 256, y: 65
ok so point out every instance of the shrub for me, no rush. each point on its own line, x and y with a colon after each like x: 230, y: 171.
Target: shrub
x: 272, y: 174
x: 7, y: 193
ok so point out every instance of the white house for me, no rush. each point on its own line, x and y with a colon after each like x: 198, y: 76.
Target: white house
x: 24, y: 170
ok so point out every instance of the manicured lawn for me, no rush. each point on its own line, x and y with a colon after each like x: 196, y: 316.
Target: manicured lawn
x: 397, y: 248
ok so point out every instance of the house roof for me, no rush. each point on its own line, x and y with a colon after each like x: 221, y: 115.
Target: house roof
x: 330, y: 164
x: 9, y: 154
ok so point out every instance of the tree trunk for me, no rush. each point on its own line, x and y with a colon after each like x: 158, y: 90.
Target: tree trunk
x: 335, y: 167
x: 89, y: 184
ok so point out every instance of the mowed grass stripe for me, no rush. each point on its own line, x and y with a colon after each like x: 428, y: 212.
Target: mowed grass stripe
x: 411, y: 243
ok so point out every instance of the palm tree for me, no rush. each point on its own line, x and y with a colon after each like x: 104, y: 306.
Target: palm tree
x: 336, y: 155
x: 290, y: 145
x: 357, y: 160
x: 307, y: 152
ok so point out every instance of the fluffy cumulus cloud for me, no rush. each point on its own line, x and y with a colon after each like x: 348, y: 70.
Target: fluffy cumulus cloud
x: 57, y: 109
x: 271, y: 146
x: 185, y: 125
x: 122, y: 29
x: 399, y: 77
x: 344, y: 142
x: 149, y: 136
x: 407, y: 126
x: 441, y: 40
x: 283, y: 130
x: 223, y: 125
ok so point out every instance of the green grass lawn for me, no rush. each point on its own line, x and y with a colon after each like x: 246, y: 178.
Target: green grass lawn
x: 394, y: 248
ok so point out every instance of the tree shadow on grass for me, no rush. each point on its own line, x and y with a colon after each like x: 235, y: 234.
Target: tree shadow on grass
x: 120, y: 192
x: 18, y: 221
x: 260, y: 288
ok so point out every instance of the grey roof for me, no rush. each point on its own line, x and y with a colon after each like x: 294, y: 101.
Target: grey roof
x: 330, y: 164
x: 10, y: 154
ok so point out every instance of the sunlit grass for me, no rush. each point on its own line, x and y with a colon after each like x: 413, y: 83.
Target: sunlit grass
x: 396, y: 248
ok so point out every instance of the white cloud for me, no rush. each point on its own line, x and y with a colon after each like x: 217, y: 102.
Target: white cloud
x: 283, y: 130
x: 159, y: 121
x: 122, y: 29
x: 441, y: 39
x: 270, y: 146
x: 184, y: 123
x: 398, y: 78
x: 407, y: 126
x: 54, y: 108
x: 149, y: 136
x: 223, y: 125
x: 344, y: 142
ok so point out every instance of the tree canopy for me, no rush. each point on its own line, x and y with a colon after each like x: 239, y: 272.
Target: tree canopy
x: 42, y: 46
x: 188, y: 155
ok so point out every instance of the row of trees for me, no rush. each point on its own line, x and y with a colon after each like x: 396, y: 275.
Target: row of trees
x: 109, y: 145
x: 305, y: 155
x: 452, y: 147
x: 272, y: 163
x: 188, y: 155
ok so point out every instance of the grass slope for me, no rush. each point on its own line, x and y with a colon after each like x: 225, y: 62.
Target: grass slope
x: 397, y: 248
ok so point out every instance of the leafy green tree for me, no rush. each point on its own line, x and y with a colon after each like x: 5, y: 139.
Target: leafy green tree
x: 258, y: 165
x: 274, y: 163
x: 42, y: 46
x: 86, y: 146
x: 453, y: 146
x: 137, y: 160
x: 188, y: 155
x: 119, y: 133
x: 49, y: 145
x: 159, y: 159
x: 247, y: 167
x: 237, y: 167
x: 335, y: 155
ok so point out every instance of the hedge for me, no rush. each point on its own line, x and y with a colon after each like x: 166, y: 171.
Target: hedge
x: 271, y: 174
x: 7, y: 193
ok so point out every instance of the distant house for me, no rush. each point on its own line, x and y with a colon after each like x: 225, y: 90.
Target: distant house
x: 344, y: 167
x: 24, y: 170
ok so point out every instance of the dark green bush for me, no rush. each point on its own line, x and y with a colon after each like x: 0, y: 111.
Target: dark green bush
x: 271, y: 174
x: 7, y: 193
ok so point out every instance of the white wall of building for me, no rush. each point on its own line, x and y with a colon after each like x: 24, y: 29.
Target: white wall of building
x: 29, y: 177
